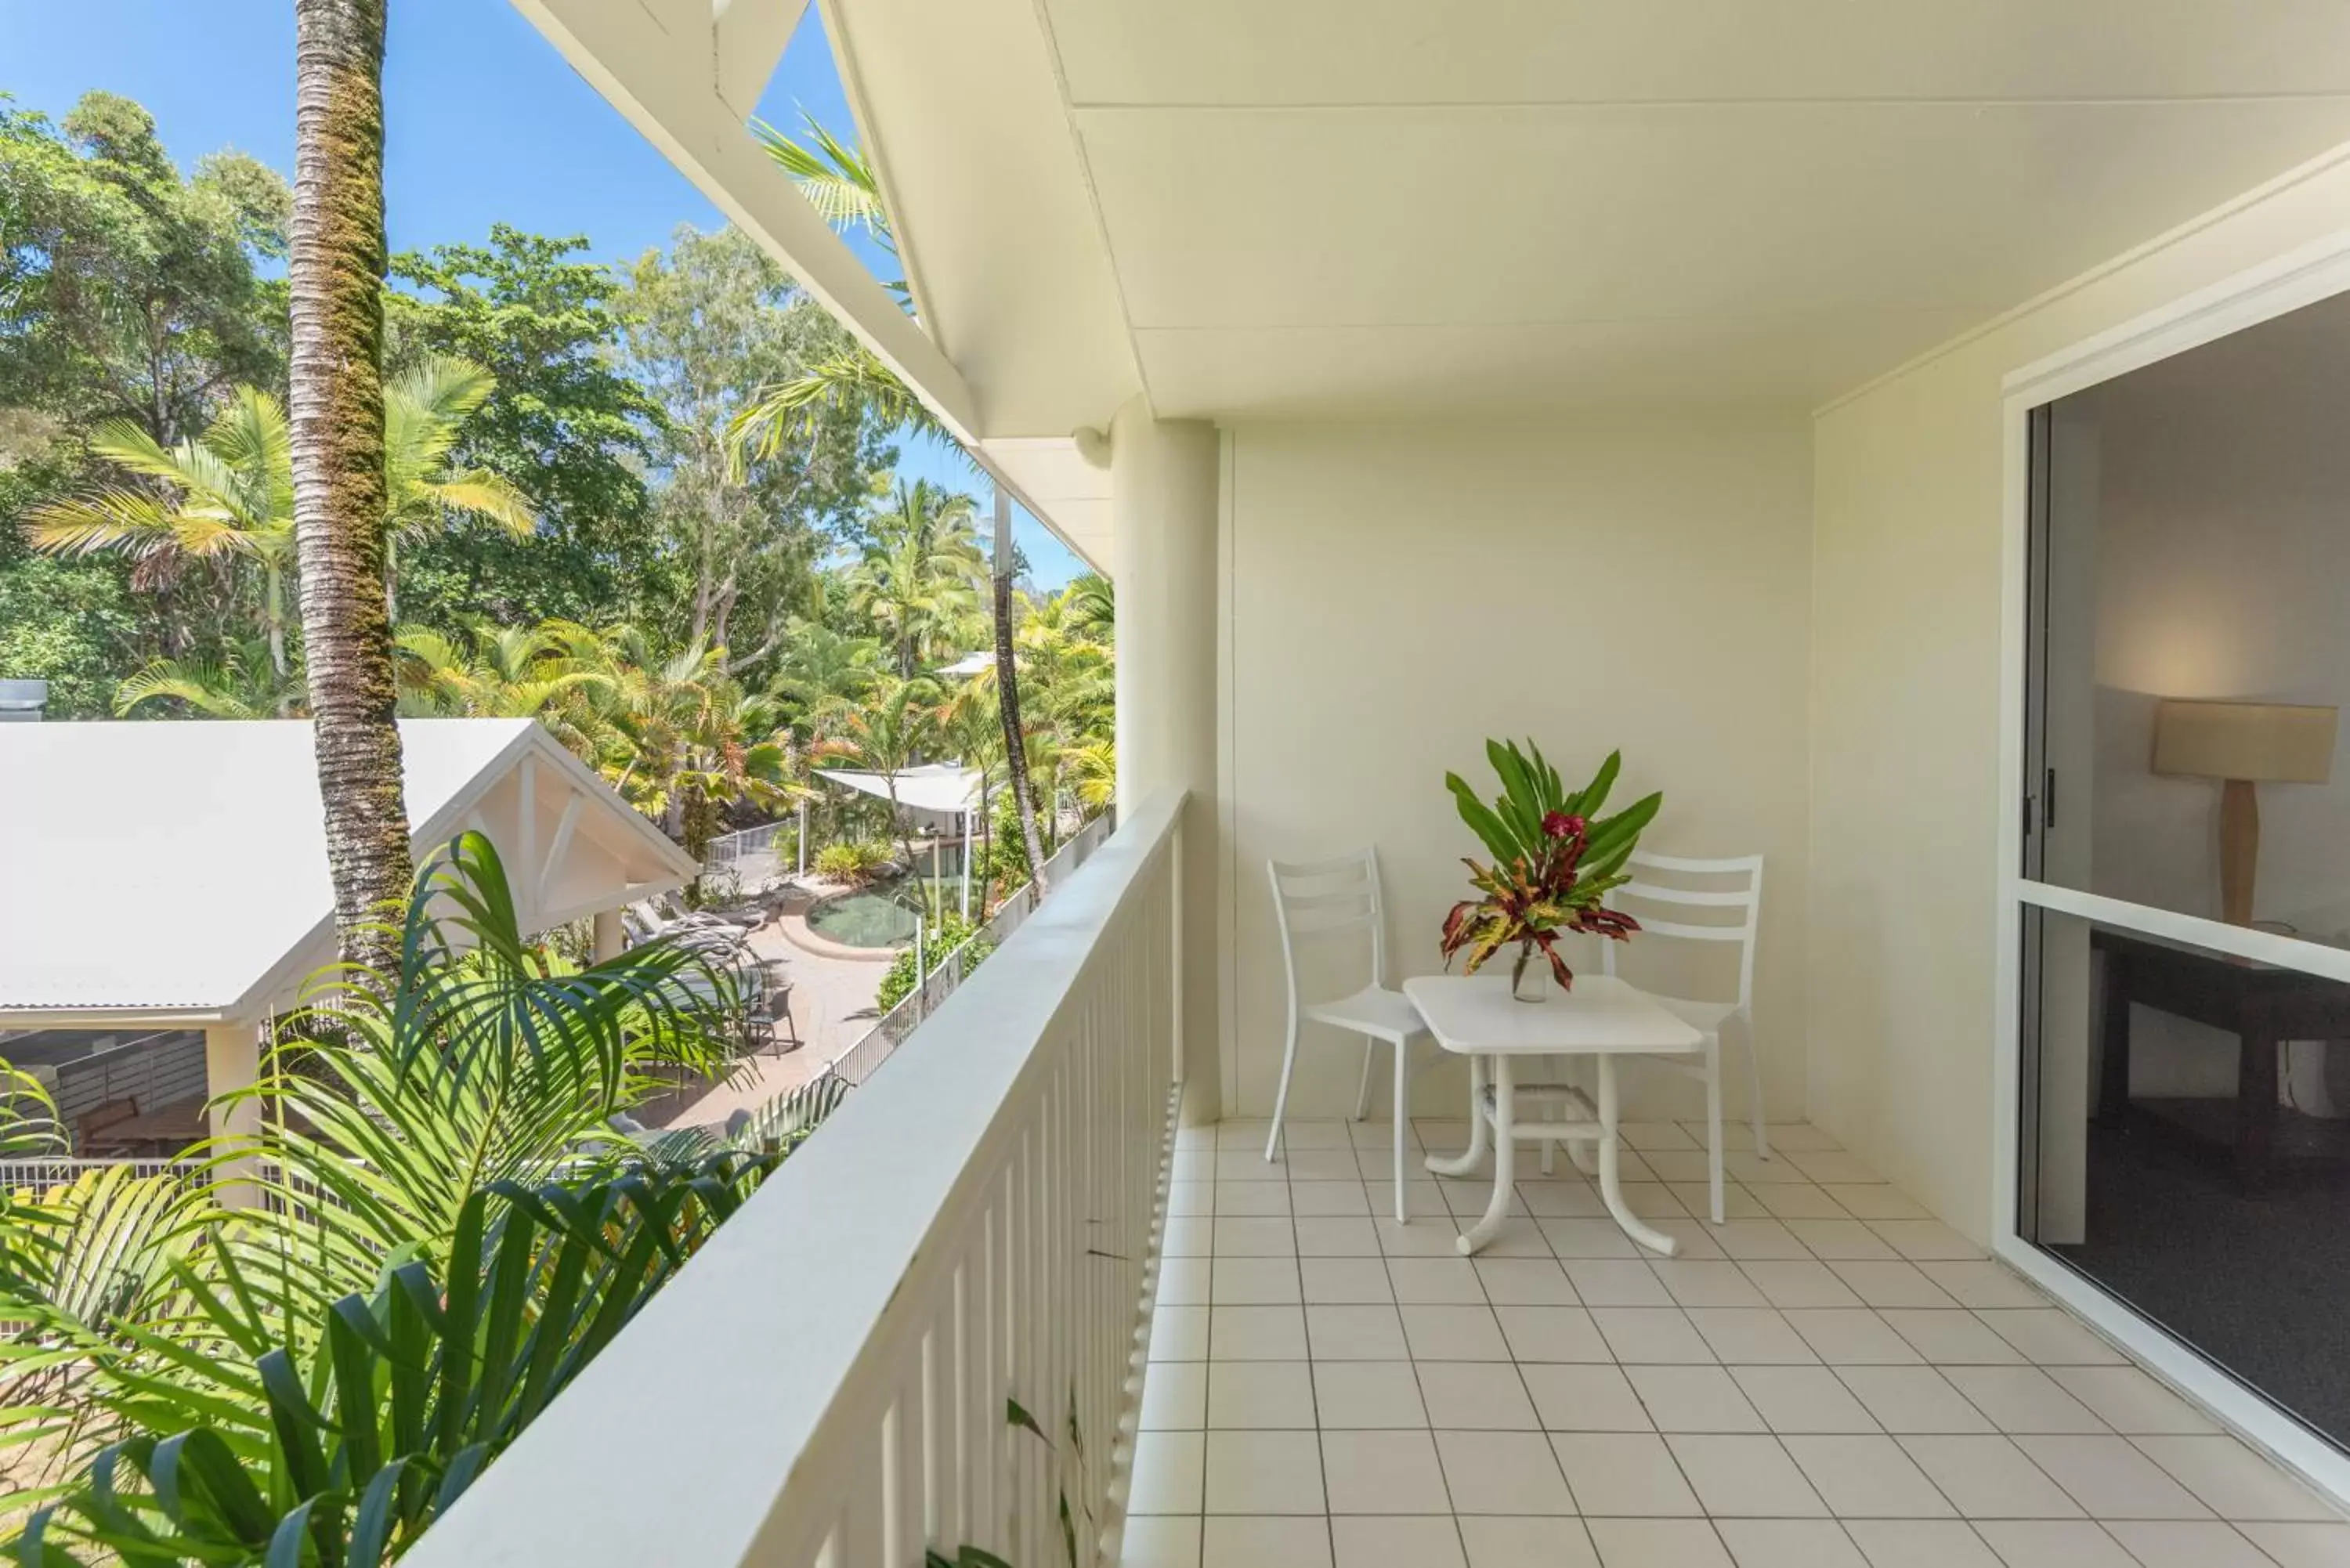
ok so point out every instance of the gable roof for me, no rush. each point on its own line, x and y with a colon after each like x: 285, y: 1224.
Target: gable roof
x: 178, y: 870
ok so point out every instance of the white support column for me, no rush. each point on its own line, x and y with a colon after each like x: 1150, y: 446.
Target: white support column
x: 233, y: 1061
x: 610, y: 938
x: 1163, y: 499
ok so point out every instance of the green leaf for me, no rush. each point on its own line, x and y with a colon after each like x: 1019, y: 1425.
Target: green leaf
x: 1481, y: 820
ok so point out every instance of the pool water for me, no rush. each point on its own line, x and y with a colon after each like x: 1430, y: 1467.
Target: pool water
x: 881, y: 916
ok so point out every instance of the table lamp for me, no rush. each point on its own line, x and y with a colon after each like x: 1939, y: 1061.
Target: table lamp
x: 2247, y: 744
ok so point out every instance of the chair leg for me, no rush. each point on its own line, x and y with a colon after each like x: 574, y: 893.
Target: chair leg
x: 1754, y: 1088
x: 1402, y: 1119
x: 1363, y: 1088
x: 1713, y: 1122
x: 1281, y: 1096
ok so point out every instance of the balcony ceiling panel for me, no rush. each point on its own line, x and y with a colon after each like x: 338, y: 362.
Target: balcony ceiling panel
x: 1244, y: 52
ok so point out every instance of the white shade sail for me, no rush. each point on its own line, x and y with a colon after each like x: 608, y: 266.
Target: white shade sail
x: 945, y: 787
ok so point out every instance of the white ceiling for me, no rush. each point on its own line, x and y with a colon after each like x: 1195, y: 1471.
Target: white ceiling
x: 1389, y: 208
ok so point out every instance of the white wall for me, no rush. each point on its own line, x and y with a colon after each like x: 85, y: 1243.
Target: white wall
x: 1396, y: 595
x: 1905, y: 701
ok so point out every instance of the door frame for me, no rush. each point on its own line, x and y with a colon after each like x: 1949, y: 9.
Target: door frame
x: 2300, y: 277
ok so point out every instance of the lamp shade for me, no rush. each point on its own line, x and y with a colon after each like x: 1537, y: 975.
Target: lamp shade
x: 2265, y: 742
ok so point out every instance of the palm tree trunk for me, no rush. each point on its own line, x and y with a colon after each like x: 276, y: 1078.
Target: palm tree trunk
x: 273, y: 616
x: 335, y: 377
x: 1007, y: 693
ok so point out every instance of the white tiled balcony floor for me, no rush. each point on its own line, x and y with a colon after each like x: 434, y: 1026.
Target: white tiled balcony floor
x: 1831, y: 1380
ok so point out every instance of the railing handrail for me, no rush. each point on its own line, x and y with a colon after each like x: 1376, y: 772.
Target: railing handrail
x: 781, y: 1331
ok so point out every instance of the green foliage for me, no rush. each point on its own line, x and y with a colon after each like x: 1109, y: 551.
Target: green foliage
x: 940, y: 938
x: 69, y: 623
x: 854, y: 863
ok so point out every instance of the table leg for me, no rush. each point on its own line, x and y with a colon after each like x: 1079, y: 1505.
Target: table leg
x: 1463, y: 1163
x: 1611, y: 1190
x: 1585, y: 1153
x: 1505, y: 1145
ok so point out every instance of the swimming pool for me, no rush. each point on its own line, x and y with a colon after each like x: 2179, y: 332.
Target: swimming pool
x: 881, y: 916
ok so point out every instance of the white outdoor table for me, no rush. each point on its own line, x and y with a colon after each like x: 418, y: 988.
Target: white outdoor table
x: 1601, y: 1017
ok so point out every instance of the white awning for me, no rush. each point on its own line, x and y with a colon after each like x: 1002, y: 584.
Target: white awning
x: 175, y: 872
x: 944, y: 787
x: 972, y: 664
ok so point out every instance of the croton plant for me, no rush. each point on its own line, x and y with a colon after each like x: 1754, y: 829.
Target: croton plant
x: 1555, y: 859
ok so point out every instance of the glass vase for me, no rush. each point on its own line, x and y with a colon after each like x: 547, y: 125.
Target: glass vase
x: 1529, y: 976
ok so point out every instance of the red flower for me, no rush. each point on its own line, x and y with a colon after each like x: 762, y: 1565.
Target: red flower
x: 1559, y: 825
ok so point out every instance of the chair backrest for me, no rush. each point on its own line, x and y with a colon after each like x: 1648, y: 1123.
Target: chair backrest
x: 99, y: 1120
x: 1734, y: 886
x: 1337, y: 896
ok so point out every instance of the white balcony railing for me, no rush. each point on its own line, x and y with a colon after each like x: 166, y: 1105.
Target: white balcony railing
x: 827, y: 1384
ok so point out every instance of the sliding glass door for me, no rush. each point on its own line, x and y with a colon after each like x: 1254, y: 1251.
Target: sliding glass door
x: 2185, y: 1023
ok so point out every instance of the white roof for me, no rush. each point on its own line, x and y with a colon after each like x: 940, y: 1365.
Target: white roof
x: 158, y: 870
x: 978, y: 663
x: 934, y: 786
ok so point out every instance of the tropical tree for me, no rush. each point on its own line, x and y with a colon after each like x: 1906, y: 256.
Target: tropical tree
x: 425, y: 407
x: 499, y: 672
x: 222, y: 498
x: 334, y: 275
x: 891, y: 731
x: 821, y: 671
x: 840, y: 183
x: 243, y: 683
x: 919, y: 573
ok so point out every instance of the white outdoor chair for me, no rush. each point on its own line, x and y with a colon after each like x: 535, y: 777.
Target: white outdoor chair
x: 1340, y: 897
x: 1742, y: 896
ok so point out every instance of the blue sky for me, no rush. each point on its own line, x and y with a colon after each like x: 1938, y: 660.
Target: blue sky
x: 484, y: 122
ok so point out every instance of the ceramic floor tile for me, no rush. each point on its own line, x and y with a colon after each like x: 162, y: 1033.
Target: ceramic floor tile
x: 1250, y: 1132
x: 1756, y: 1172
x: 1324, y: 1165
x: 1305, y: 1135
x: 2129, y: 1401
x: 1737, y: 1203
x: 1338, y: 1238
x: 1658, y: 1543
x: 2304, y: 1545
x: 1920, y: 1543
x: 1160, y: 1540
x: 1865, y: 1477
x: 1712, y: 1284
x: 1256, y: 1333
x: 1383, y: 1472
x: 1844, y: 1336
x: 1693, y: 1399
x: 1185, y: 1198
x: 1907, y: 1400
x: 1925, y: 1241
x: 1803, y: 1399
x: 1793, y: 1201
x: 1891, y: 1282
x: 1174, y: 1397
x: 1738, y: 1476
x: 1499, y: 1541
x: 1561, y: 1199
x: 2053, y: 1543
x: 2052, y: 1337
x: 1188, y: 1238
x: 1751, y: 1336
x: 1263, y: 1542
x: 1647, y: 1136
x: 1839, y: 1238
x: 1255, y: 1281
x: 1591, y: 1238
x: 1167, y: 1473
x: 1596, y: 1398
x: 1537, y: 1333
x: 2022, y: 1399
x: 1427, y: 1236
x: 1182, y: 1282
x: 1400, y: 1541
x: 1457, y: 1333
x: 1825, y: 1165
x: 1989, y: 1477
x: 1985, y: 1283
x: 1436, y: 1280
x: 1254, y: 1236
x: 2183, y: 1543
x: 1355, y: 1334
x: 1615, y: 1282
x: 1247, y: 1164
x: 1624, y: 1474
x: 1263, y: 1473
x: 1367, y: 1394
x: 1325, y: 1200
x: 2111, y: 1479
x: 1754, y: 1241
x: 1476, y: 1396
x: 1650, y: 1334
x: 1805, y: 1283
x: 1694, y: 1240
x: 1525, y: 1281
x: 1336, y: 1282
x: 2232, y: 1480
x: 1502, y: 1472
x: 1252, y: 1199
x: 1789, y: 1543
x: 1179, y: 1334
x: 1789, y: 1137
x: 1261, y: 1394
x: 1864, y: 1200
x: 1681, y: 1164
x: 1954, y: 1338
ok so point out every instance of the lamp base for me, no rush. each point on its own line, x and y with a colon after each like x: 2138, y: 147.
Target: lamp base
x: 2240, y: 849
